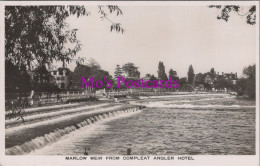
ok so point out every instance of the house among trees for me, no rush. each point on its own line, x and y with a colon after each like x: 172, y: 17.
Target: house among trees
x: 228, y: 76
x: 215, y: 80
x: 61, y: 77
x: 209, y: 79
x: 231, y: 76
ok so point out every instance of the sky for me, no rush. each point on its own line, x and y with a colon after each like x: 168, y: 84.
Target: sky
x: 176, y: 35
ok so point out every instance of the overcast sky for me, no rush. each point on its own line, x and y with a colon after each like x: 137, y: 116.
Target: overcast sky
x: 178, y: 36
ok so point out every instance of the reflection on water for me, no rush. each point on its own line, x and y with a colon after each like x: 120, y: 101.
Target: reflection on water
x: 219, y: 129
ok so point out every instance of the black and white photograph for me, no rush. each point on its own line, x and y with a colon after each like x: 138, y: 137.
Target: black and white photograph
x: 150, y: 81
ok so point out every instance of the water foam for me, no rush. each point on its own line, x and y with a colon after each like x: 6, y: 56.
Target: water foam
x: 48, y: 139
x: 190, y: 106
x: 55, y: 113
x: 12, y: 130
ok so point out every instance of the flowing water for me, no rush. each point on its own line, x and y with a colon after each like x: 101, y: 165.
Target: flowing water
x: 169, y: 127
x: 59, y: 134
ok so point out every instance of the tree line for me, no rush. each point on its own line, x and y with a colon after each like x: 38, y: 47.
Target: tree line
x: 36, y: 36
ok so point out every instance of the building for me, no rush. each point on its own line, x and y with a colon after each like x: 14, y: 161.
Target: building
x: 229, y: 76
x: 208, y: 79
x: 61, y: 77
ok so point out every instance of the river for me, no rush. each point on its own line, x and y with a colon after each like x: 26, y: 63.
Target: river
x: 168, y: 127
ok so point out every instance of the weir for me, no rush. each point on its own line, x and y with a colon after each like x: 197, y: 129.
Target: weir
x: 51, y: 114
x: 48, y: 139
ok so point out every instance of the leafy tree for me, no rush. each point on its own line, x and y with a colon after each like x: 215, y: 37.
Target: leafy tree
x: 118, y: 71
x: 87, y: 72
x: 222, y: 83
x: 11, y: 73
x: 248, y: 84
x: 100, y: 75
x: 199, y: 79
x: 79, y: 72
x: 191, y: 75
x: 39, y: 34
x: 161, y: 71
x: 226, y: 10
x: 249, y: 72
x: 16, y: 79
x: 183, y: 81
x: 241, y: 85
x: 93, y: 64
x: 131, y: 70
x: 173, y: 74
x: 41, y: 75
x: 212, y: 71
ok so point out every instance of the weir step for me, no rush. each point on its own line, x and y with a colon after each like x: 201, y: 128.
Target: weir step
x: 47, y: 139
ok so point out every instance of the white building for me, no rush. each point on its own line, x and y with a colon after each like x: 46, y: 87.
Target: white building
x: 61, y: 77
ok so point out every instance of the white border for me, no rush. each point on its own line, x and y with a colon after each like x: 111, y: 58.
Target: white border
x: 235, y: 160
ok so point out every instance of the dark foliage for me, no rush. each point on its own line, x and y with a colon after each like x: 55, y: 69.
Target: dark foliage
x: 17, y: 80
x: 161, y: 71
x: 227, y: 9
x: 131, y: 70
x: 191, y: 75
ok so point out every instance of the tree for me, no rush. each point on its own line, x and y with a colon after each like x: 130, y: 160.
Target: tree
x: 118, y: 71
x: 131, y: 70
x: 87, y: 72
x: 79, y: 72
x: 226, y: 10
x: 249, y: 72
x: 222, y: 83
x: 250, y: 87
x: 183, y: 81
x: 241, y: 86
x: 161, y: 71
x: 173, y: 74
x: 212, y: 71
x: 93, y: 64
x: 191, y: 75
x: 199, y: 79
x: 41, y: 75
x: 11, y: 73
x: 100, y: 75
x: 40, y: 34
x: 16, y: 79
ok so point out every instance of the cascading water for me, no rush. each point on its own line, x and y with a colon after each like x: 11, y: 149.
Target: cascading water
x: 47, y: 139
